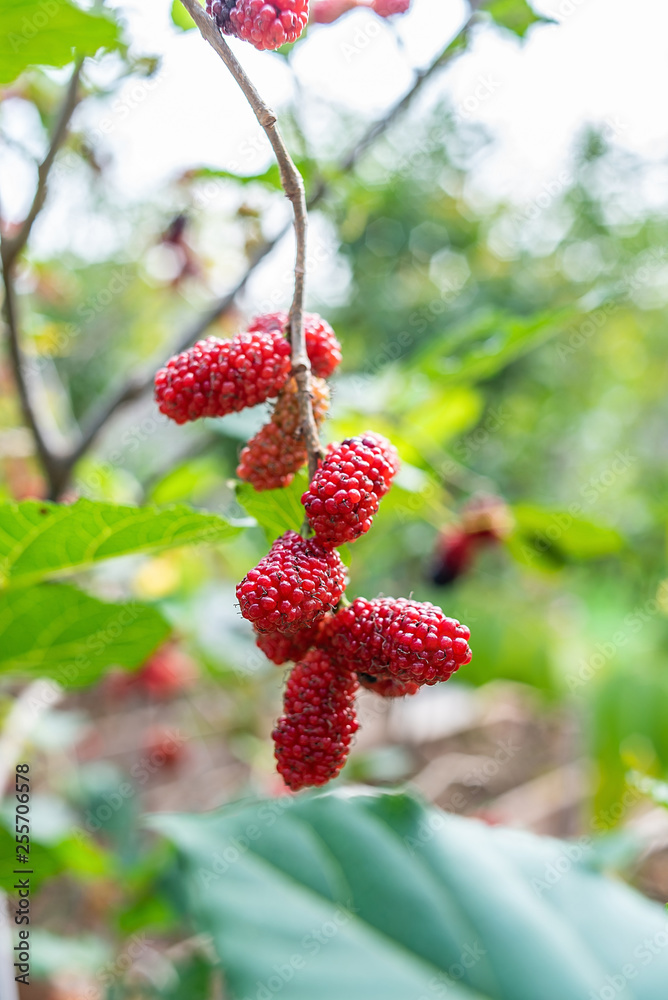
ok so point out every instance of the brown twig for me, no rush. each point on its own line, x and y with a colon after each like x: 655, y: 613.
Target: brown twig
x: 54, y: 458
x: 293, y: 185
x: 134, y: 388
x: 138, y: 386
x: 12, y: 246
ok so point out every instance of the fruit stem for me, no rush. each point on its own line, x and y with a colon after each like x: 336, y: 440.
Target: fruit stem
x: 293, y: 185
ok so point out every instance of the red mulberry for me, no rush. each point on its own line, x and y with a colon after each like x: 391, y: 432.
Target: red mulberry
x: 322, y: 347
x: 217, y: 377
x: 312, y: 738
x: 397, y: 637
x: 293, y: 587
x: 269, y: 461
x: 347, y: 488
x: 266, y: 25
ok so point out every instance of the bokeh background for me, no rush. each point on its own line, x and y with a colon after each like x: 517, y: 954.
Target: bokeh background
x: 494, y: 262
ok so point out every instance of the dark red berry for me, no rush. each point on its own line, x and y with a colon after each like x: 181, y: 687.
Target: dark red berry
x: 282, y: 649
x: 347, y: 488
x: 388, y: 686
x: 270, y: 459
x: 293, y: 587
x: 219, y: 10
x: 485, y: 520
x: 312, y: 738
x: 322, y: 347
x: 453, y: 558
x: 268, y: 25
x: 401, y: 638
x: 217, y: 377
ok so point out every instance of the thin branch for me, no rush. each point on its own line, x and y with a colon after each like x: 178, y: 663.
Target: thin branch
x: 293, y: 185
x: 12, y: 247
x: 53, y: 458
x: 137, y: 386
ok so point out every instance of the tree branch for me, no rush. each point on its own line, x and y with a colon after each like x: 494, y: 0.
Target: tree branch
x: 293, y: 185
x: 12, y: 246
x: 137, y: 386
x: 54, y: 459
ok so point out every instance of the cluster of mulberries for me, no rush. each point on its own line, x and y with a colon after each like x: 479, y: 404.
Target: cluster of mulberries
x: 266, y: 24
x: 293, y: 597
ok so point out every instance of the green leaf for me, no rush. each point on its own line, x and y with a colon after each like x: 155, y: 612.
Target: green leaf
x: 554, y: 537
x: 49, y: 33
x: 349, y: 894
x: 57, y: 631
x: 515, y: 15
x: 277, y: 511
x: 39, y: 539
x: 487, y: 343
x: 181, y: 17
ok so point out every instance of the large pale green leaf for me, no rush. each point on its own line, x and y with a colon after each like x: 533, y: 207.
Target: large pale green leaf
x: 50, y: 33
x: 39, y: 539
x: 355, y: 895
x: 276, y: 511
x: 57, y: 631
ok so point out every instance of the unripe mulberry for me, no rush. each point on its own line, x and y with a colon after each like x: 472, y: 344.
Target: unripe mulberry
x: 322, y: 347
x: 217, y: 377
x: 347, y: 488
x: 293, y: 587
x: 312, y: 738
x: 266, y: 24
x: 401, y: 638
x: 270, y: 459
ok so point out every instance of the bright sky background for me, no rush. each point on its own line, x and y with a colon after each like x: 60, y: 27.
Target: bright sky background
x: 606, y: 61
